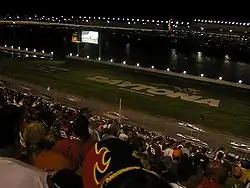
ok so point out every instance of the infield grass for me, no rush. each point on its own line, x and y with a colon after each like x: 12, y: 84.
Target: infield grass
x: 233, y: 114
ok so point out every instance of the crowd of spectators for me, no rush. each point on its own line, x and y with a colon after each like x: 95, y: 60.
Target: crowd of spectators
x: 44, y: 144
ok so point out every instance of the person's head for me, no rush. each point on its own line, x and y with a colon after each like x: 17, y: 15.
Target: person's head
x: 220, y: 156
x: 139, y: 144
x: 34, y: 133
x: 114, y: 129
x: 134, y: 179
x: 81, y: 127
x: 221, y: 149
x: 9, y: 125
x: 187, y: 145
x: 177, y: 155
x: 216, y: 171
x: 203, y: 150
x: 237, y: 172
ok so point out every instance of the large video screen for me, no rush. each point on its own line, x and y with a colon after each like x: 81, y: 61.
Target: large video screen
x: 90, y: 37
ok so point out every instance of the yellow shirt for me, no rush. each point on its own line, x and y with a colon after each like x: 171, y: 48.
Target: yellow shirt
x: 245, y: 177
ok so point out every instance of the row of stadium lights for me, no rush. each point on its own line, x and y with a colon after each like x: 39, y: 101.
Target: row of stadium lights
x: 86, y: 19
x: 152, y: 67
x: 111, y: 60
x: 108, y: 19
x: 222, y: 22
x: 26, y: 49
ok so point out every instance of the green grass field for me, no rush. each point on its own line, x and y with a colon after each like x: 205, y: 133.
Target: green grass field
x: 232, y: 115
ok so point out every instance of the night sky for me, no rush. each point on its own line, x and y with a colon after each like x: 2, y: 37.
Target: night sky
x: 216, y: 10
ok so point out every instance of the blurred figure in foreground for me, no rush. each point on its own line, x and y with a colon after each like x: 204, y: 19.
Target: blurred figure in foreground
x: 110, y: 163
x: 14, y: 173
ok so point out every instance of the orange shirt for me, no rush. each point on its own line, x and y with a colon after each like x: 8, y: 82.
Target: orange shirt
x: 49, y: 160
x: 74, y: 150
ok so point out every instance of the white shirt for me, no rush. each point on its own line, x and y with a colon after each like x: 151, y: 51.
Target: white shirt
x: 123, y: 137
x: 16, y: 174
x: 185, y: 151
x: 168, y: 152
x: 248, y: 185
x: 176, y: 185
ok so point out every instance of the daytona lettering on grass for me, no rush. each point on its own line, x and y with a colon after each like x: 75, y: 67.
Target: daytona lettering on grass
x: 152, y: 91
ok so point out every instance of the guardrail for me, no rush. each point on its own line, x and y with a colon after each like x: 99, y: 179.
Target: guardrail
x: 137, y: 67
x: 26, y: 51
x: 166, y: 72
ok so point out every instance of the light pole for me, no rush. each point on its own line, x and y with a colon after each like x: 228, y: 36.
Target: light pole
x: 120, y: 109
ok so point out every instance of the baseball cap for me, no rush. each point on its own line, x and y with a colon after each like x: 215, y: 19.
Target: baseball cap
x: 81, y: 127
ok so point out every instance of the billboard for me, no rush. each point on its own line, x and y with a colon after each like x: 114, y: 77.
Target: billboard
x: 75, y: 38
x: 90, y: 37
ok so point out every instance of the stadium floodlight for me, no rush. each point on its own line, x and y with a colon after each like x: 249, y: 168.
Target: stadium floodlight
x: 111, y: 60
x: 18, y: 48
x: 52, y: 53
x: 42, y: 51
x: 220, y: 78
x: 26, y: 49
x: 168, y: 69
x: 202, y: 75
x: 12, y: 47
x: 34, y: 50
x: 184, y: 72
x: 124, y: 62
x: 99, y: 58
x: 240, y: 81
x: 77, y: 55
x: 70, y: 54
x: 137, y: 64
x: 87, y: 57
x: 152, y: 67
x: 5, y: 46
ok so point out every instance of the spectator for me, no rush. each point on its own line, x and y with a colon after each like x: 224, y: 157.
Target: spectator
x: 43, y: 157
x: 242, y: 174
x: 117, y: 155
x: 200, y: 159
x: 14, y: 173
x: 77, y: 146
x: 186, y: 149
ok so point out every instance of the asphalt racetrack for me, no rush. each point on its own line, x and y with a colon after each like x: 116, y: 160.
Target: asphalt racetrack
x: 166, y: 126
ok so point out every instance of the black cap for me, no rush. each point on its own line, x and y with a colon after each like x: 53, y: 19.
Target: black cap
x: 81, y: 127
